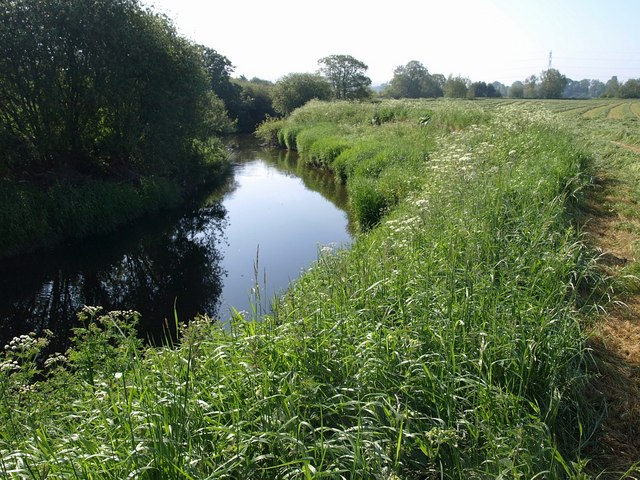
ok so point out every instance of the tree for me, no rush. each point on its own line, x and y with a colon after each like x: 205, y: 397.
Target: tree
x: 477, y: 90
x: 296, y: 89
x: 596, y: 89
x: 531, y: 87
x: 630, y: 89
x: 516, y: 90
x: 500, y: 89
x: 91, y: 84
x: 611, y: 87
x: 456, y: 87
x: 346, y: 75
x: 254, y: 103
x: 412, y: 81
x: 552, y: 84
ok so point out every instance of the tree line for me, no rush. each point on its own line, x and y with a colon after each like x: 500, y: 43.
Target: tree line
x: 108, y: 86
x: 102, y: 87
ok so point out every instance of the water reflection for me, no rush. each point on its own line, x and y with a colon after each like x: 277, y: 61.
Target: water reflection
x: 199, y: 261
x: 165, y: 261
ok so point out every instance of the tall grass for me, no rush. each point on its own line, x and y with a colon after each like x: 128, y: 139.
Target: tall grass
x: 32, y: 217
x: 445, y: 344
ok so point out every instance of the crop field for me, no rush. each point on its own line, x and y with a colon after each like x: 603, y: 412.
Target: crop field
x: 475, y: 329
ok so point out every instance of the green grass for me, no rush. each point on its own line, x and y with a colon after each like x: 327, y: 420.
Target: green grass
x: 446, y: 343
x: 33, y: 218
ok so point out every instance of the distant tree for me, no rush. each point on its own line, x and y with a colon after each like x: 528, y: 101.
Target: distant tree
x: 630, y: 89
x: 440, y: 80
x: 516, y: 90
x: 611, y: 87
x: 255, y: 103
x: 577, y: 89
x: 596, y: 88
x: 477, y: 90
x: 346, y: 75
x: 501, y: 89
x: 531, y: 87
x: 413, y: 81
x: 456, y: 87
x: 296, y: 89
x: 552, y: 84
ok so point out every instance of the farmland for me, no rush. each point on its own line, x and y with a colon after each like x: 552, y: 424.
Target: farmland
x: 474, y: 330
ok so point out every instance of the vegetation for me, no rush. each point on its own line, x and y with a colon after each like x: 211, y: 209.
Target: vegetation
x: 413, y: 80
x: 296, y: 89
x: 447, y: 343
x: 346, y: 75
x: 77, y: 120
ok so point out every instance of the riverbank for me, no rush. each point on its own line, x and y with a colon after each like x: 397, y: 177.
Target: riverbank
x: 448, y: 342
x: 36, y: 214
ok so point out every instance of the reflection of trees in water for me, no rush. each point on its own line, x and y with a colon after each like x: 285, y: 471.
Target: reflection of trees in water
x: 147, y: 271
x: 287, y: 162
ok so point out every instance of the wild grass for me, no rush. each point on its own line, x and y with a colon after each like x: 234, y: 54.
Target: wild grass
x: 32, y: 217
x: 446, y: 343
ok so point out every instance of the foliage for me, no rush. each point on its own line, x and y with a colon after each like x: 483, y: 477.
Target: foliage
x: 445, y: 344
x: 296, y: 89
x: 346, y: 76
x: 630, y: 89
x: 69, y: 99
x: 34, y: 218
x: 612, y: 87
x: 254, y: 104
x: 456, y: 87
x: 516, y: 90
x: 413, y: 81
x: 552, y: 84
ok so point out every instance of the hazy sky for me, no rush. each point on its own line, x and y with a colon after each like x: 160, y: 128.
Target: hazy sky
x: 485, y: 40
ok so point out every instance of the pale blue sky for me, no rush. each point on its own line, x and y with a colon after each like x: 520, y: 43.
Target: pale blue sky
x: 481, y: 39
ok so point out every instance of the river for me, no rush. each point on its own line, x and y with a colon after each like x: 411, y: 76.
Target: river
x: 263, y: 226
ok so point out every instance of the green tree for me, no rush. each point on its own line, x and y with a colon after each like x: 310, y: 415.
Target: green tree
x: 296, y: 89
x: 552, y: 84
x: 456, y: 87
x: 95, y: 84
x: 254, y: 104
x: 612, y: 87
x: 478, y: 90
x: 596, y: 88
x: 516, y: 90
x: 531, y: 87
x: 630, y: 89
x: 346, y: 75
x: 412, y: 81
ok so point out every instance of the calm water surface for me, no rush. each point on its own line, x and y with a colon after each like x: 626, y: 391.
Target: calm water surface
x: 270, y: 218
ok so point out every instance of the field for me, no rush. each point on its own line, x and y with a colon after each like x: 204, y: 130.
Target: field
x: 475, y: 330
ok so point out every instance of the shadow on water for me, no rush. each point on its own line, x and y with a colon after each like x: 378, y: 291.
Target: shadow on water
x: 156, y: 262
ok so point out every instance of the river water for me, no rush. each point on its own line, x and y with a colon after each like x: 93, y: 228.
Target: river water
x: 263, y: 226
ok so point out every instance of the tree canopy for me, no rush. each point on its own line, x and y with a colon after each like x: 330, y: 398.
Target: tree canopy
x: 552, y: 84
x: 346, y: 75
x: 94, y: 84
x: 413, y: 81
x: 296, y: 89
x: 456, y: 87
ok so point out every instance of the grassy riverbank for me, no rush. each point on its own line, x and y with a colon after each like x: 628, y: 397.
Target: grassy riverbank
x: 447, y: 343
x: 34, y: 215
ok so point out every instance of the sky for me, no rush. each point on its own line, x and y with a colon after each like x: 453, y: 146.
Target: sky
x: 483, y: 40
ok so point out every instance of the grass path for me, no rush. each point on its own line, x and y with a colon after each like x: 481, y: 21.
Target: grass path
x: 613, y: 224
